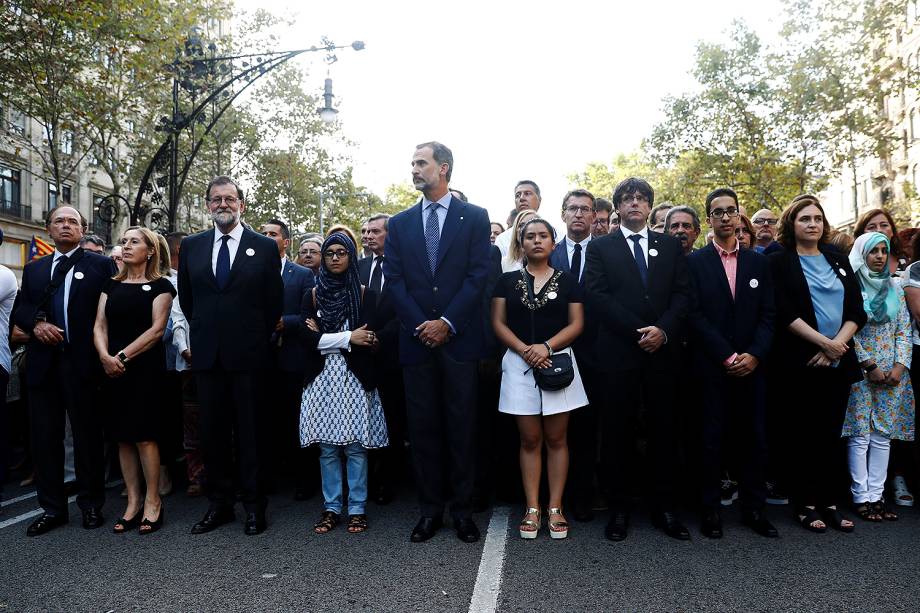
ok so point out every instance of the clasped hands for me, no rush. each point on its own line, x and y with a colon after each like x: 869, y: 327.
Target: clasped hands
x: 892, y: 377
x: 47, y: 333
x: 831, y: 351
x: 360, y: 337
x: 744, y: 364
x: 652, y: 338
x: 536, y: 356
x: 433, y: 333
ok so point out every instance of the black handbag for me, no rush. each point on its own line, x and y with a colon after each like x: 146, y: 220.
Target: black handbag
x: 562, y: 372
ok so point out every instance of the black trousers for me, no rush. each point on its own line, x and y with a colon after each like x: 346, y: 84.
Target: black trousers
x: 816, y: 454
x: 627, y: 392
x: 441, y: 407
x: 388, y: 463
x: 64, y: 393
x: 583, y: 437
x: 229, y: 404
x: 4, y: 430
x: 170, y: 439
x: 283, y: 444
x: 734, y: 407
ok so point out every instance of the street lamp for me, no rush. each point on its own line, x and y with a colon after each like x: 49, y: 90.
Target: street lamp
x: 327, y: 113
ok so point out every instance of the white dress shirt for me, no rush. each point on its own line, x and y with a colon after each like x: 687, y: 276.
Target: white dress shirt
x: 643, y: 241
x: 232, y: 245
x: 8, y: 289
x: 444, y: 202
x: 67, y: 281
x: 283, y: 264
x: 570, y: 247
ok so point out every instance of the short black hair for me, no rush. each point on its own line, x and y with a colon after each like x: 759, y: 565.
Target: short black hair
x: 718, y: 193
x: 579, y: 193
x: 285, y: 233
x: 631, y: 186
x: 223, y: 180
x: 536, y: 187
x: 94, y: 239
x: 441, y: 155
x: 533, y: 220
x: 602, y: 204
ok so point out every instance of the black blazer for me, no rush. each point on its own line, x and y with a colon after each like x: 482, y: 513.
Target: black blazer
x: 722, y: 325
x: 583, y: 346
x: 298, y: 281
x: 90, y: 275
x: 615, y: 294
x: 386, y: 324
x: 360, y: 360
x: 232, y: 327
x: 793, y: 301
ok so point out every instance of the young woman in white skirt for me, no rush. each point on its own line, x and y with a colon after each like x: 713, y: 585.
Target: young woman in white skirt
x: 535, y: 323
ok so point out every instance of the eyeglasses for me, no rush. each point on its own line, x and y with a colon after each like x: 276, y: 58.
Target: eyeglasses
x: 720, y: 213
x: 601, y: 222
x: 762, y: 221
x: 637, y: 197
x: 308, y: 252
x: 339, y: 253
x: 216, y: 200
x: 575, y: 210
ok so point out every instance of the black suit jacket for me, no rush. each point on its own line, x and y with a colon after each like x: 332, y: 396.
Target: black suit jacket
x: 584, y: 348
x: 298, y: 281
x: 793, y: 301
x: 722, y: 325
x: 616, y: 295
x: 90, y: 275
x: 233, y: 327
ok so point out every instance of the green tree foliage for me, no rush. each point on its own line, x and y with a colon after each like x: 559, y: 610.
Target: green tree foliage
x: 401, y: 196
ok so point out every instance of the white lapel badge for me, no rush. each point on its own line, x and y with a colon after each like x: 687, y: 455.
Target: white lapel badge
x: 78, y: 275
x: 551, y: 295
x: 843, y: 273
x: 250, y: 252
x: 145, y: 287
x: 653, y: 252
x: 754, y: 283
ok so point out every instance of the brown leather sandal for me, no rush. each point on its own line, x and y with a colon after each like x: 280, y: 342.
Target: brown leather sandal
x: 327, y: 522
x: 357, y: 523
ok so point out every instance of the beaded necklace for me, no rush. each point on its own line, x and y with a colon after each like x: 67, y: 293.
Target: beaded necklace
x: 548, y: 292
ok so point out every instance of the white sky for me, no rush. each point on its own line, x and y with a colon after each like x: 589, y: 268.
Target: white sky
x: 516, y: 89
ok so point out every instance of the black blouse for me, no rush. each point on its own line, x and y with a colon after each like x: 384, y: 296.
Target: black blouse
x: 553, y: 299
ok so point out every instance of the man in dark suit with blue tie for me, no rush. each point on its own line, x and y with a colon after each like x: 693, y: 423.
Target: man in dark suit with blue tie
x: 732, y: 326
x: 230, y: 290
x: 287, y: 384
x: 436, y: 265
x: 57, y: 309
x: 578, y: 213
x: 639, y: 288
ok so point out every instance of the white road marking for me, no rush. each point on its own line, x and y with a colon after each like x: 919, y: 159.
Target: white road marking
x: 20, y: 518
x: 11, y: 501
x: 489, y: 577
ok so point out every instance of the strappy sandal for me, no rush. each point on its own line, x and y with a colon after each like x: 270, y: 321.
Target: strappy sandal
x: 867, y: 512
x: 328, y: 521
x: 557, y: 529
x: 835, y: 519
x: 884, y: 511
x: 357, y: 523
x: 149, y: 527
x: 808, y: 517
x: 529, y: 527
x: 124, y: 524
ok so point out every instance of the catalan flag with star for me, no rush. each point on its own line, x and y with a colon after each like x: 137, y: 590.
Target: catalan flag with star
x: 39, y: 248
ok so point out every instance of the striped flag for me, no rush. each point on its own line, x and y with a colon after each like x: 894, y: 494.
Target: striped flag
x: 39, y: 248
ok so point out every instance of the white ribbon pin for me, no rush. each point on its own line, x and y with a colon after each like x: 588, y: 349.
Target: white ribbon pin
x: 145, y: 287
x: 843, y: 273
x: 653, y: 252
x: 78, y: 275
x: 551, y: 295
x: 754, y: 283
x: 250, y: 252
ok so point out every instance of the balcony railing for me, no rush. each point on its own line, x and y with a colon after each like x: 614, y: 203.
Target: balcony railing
x: 15, y: 209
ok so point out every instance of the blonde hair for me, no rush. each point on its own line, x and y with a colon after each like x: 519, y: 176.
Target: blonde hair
x: 152, y: 270
x: 165, y: 261
x: 344, y: 230
x: 516, y: 249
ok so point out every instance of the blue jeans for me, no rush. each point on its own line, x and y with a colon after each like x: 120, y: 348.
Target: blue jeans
x: 330, y: 466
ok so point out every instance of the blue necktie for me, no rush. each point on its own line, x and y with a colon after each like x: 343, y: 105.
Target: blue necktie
x: 222, y: 272
x: 432, y: 235
x: 640, y: 257
x: 58, y: 303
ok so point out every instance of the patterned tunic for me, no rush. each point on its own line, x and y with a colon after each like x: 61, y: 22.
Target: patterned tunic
x: 883, y: 409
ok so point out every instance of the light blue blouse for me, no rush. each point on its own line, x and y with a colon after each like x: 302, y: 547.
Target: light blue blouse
x: 826, y: 293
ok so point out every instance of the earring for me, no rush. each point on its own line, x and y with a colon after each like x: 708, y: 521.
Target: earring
x: 148, y: 257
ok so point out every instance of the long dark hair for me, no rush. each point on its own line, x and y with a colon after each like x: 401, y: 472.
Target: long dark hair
x: 786, y: 234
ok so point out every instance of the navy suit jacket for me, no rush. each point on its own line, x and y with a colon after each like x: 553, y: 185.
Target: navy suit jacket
x: 231, y: 327
x: 455, y: 289
x: 615, y: 294
x: 298, y: 281
x: 584, y: 344
x: 722, y: 325
x: 90, y: 275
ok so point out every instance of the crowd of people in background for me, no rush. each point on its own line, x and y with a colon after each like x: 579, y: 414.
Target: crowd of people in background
x: 663, y: 355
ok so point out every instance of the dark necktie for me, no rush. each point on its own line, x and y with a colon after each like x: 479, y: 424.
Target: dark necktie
x: 377, y: 276
x: 57, y: 307
x: 222, y: 272
x: 576, y: 262
x: 640, y: 257
x: 432, y: 235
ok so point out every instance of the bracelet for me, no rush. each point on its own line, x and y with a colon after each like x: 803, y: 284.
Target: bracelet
x: 548, y: 348
x: 870, y: 368
x: 122, y: 357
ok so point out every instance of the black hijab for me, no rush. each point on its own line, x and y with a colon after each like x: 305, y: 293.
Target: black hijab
x: 338, y: 296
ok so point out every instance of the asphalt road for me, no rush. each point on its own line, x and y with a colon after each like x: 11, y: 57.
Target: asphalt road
x: 291, y: 569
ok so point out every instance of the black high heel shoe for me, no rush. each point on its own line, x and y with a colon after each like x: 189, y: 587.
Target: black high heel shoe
x: 124, y: 524
x: 149, y: 527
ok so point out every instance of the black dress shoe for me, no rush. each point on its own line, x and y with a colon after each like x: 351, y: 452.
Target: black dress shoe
x: 466, y: 530
x: 711, y: 525
x: 92, y: 518
x: 45, y: 523
x: 214, y: 518
x: 425, y: 529
x: 668, y: 523
x: 756, y: 521
x: 255, y: 523
x: 616, y: 529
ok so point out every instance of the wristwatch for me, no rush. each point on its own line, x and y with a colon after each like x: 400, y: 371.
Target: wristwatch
x: 121, y: 356
x: 870, y: 368
x: 548, y: 348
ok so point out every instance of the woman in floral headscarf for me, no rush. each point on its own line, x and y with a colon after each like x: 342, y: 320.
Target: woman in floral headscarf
x: 881, y: 406
x: 340, y: 408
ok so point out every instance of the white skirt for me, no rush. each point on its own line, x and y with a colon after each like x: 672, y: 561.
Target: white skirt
x: 521, y: 396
